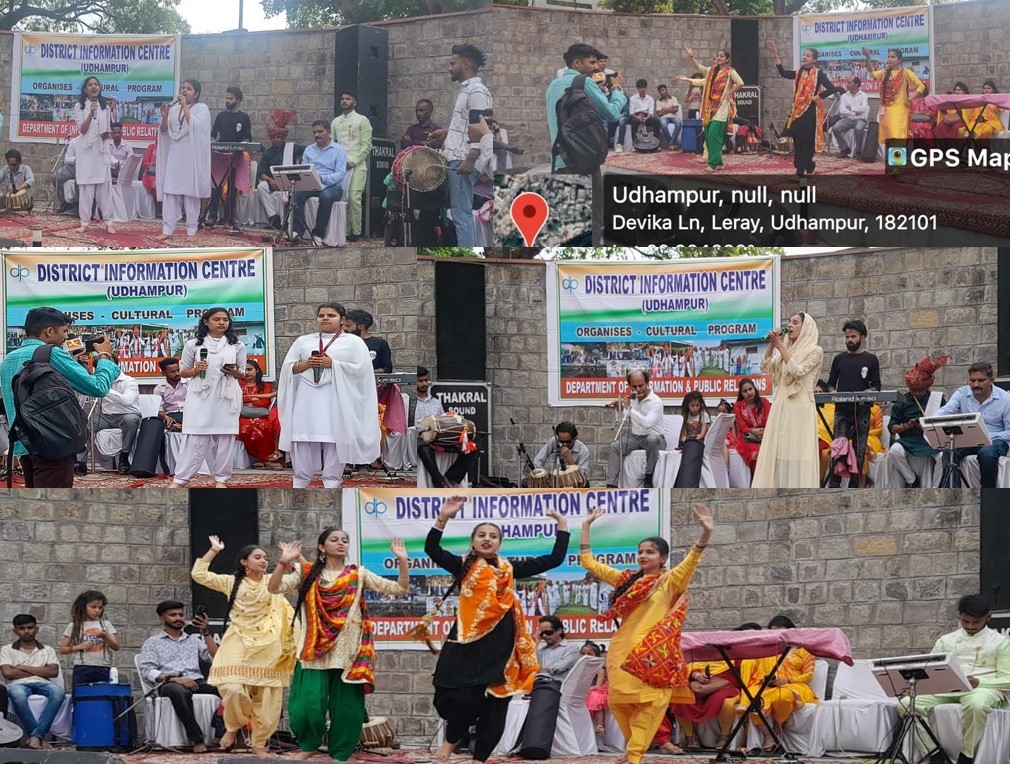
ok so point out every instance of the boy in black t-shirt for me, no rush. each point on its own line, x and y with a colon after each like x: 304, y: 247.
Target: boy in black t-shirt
x: 854, y: 371
x: 230, y: 126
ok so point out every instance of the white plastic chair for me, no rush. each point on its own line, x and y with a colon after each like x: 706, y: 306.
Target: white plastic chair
x: 396, y: 452
x: 336, y: 230
x: 124, y: 191
x: 444, y: 461
x: 161, y: 725
x: 739, y: 472
x: 108, y: 443
x: 62, y: 723
x: 973, y: 475
x: 714, y: 470
x: 800, y: 734
x: 633, y: 474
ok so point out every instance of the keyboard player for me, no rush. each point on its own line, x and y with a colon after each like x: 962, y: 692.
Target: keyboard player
x: 230, y: 126
x: 980, y: 395
x: 854, y: 371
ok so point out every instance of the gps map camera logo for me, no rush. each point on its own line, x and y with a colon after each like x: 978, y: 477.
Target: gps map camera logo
x: 897, y: 156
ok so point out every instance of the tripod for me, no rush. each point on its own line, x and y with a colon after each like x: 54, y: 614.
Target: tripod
x: 952, y: 476
x: 911, y: 726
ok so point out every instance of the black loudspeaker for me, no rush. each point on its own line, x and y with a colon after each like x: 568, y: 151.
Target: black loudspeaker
x: 234, y: 516
x: 380, y: 164
x: 460, y: 336
x: 1002, y: 311
x: 994, y: 534
x: 744, y: 48
x: 361, y: 64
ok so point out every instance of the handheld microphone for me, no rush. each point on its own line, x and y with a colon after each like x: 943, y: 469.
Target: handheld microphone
x: 784, y: 330
x: 203, y: 357
x: 317, y: 371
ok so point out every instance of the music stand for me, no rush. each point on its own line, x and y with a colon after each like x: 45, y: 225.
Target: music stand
x: 903, y: 678
x: 293, y: 178
x: 943, y: 436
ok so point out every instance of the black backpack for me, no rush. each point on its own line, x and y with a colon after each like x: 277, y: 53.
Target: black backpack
x: 582, y: 135
x: 48, y: 420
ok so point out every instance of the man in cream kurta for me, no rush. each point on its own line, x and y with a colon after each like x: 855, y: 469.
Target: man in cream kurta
x: 353, y: 131
x: 330, y: 420
x: 984, y: 656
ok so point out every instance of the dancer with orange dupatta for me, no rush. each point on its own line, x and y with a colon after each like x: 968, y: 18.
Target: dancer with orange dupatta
x: 489, y: 655
x: 645, y: 668
x: 718, y: 106
x: 336, y: 650
x: 805, y: 124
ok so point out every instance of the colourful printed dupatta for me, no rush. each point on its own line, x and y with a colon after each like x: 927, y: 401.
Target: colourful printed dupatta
x: 716, y: 83
x: 806, y: 89
x: 326, y: 610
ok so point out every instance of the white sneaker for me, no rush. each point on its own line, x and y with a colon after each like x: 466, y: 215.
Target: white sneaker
x: 618, y: 148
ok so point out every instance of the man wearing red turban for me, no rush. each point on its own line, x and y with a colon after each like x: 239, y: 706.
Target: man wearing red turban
x: 910, y: 449
x: 281, y: 152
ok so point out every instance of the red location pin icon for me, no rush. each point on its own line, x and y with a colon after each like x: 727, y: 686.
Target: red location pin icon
x: 529, y: 212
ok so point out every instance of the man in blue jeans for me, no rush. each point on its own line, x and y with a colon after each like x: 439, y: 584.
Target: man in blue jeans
x: 28, y: 666
x: 330, y: 161
x: 980, y: 395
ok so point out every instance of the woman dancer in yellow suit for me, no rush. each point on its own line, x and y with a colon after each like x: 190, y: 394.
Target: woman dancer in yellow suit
x: 256, y: 658
x: 641, y: 600
x: 895, y: 108
x: 788, y: 691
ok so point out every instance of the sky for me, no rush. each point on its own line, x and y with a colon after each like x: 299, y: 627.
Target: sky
x: 221, y: 15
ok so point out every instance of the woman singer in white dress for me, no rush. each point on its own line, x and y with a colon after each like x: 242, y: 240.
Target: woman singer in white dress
x: 214, y: 362
x: 183, y: 177
x: 93, y: 147
x: 327, y: 402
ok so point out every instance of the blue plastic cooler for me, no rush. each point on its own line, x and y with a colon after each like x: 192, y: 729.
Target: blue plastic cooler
x: 690, y: 138
x: 95, y: 708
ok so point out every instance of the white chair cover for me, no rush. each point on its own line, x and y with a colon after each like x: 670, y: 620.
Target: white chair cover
x: 62, y: 723
x: 800, y: 733
x: 859, y: 717
x: 444, y: 461
x: 739, y: 472
x: 248, y: 210
x: 973, y: 476
x: 995, y: 742
x: 162, y: 727
x: 714, y: 471
x: 515, y: 718
x: 574, y: 734
x: 336, y: 230
x: 633, y: 475
x: 108, y: 443
x: 124, y: 203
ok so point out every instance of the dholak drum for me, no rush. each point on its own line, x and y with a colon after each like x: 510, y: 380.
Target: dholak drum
x: 420, y: 168
x: 540, y: 479
x: 96, y: 707
x: 570, y: 477
x: 446, y: 431
x: 377, y: 733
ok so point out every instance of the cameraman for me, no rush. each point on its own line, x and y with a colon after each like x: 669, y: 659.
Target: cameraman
x: 49, y: 326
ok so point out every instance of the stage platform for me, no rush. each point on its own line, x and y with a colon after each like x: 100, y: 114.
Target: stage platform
x: 61, y: 231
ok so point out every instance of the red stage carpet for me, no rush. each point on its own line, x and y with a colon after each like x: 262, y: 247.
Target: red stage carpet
x: 968, y: 200
x: 243, y: 479
x: 61, y: 231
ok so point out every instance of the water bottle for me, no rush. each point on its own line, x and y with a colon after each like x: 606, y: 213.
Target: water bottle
x: 114, y: 675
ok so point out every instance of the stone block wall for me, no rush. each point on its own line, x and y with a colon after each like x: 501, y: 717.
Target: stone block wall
x: 885, y: 566
x: 914, y: 302
x: 529, y: 43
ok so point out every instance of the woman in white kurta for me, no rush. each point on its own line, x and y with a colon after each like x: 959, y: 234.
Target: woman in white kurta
x: 214, y: 362
x: 93, y: 147
x: 183, y: 177
x: 327, y: 402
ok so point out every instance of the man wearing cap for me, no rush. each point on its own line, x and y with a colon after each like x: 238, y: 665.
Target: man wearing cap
x: 910, y: 449
x: 281, y: 152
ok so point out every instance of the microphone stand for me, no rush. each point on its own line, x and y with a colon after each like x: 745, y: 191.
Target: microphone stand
x: 617, y: 437
x: 92, y: 472
x: 521, y: 453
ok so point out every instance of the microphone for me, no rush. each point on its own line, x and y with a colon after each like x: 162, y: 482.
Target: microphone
x: 203, y: 357
x: 317, y: 371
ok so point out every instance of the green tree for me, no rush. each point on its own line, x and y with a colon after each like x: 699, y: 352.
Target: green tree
x: 99, y: 16
x: 316, y: 13
x: 715, y: 7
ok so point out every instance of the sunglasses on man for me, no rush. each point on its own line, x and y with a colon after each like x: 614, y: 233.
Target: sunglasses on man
x: 547, y: 633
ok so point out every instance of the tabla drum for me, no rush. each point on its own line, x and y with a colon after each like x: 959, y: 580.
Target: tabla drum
x: 540, y: 478
x: 420, y: 168
x: 377, y: 733
x: 446, y: 431
x: 19, y: 202
x: 783, y: 146
x: 570, y: 477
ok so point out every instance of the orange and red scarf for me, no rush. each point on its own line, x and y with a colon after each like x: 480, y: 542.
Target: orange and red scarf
x: 633, y: 596
x: 327, y: 609
x: 805, y: 92
x: 716, y: 83
x: 894, y: 85
x: 487, y: 594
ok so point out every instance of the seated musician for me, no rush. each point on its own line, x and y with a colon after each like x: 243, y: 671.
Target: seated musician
x: 788, y: 691
x: 717, y: 692
x: 16, y: 179
x: 853, y: 111
x: 281, y: 152
x: 908, y: 440
x: 984, y: 656
x: 564, y: 450
x: 330, y: 160
x: 644, y: 428
x: 120, y: 410
x: 981, y: 396
x: 429, y: 405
